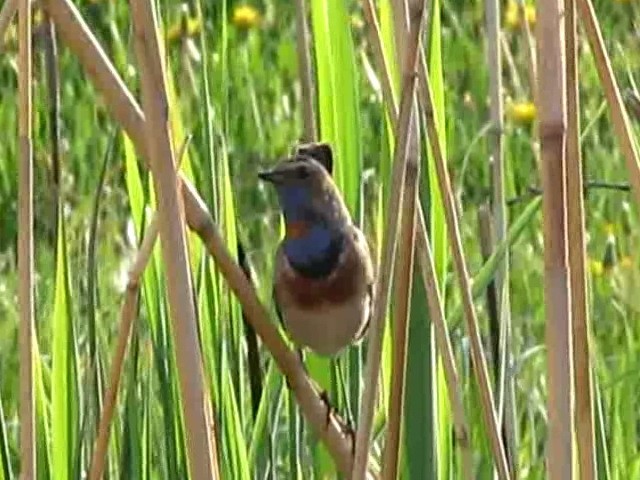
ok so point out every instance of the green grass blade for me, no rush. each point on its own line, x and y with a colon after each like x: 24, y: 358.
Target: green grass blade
x: 64, y: 389
x: 5, y: 464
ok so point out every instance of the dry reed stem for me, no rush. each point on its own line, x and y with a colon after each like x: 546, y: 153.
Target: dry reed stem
x: 127, y: 112
x: 202, y: 461
x: 552, y: 111
x: 383, y: 283
x: 25, y: 245
x: 305, y: 70
x: 577, y: 258
x: 404, y: 11
x: 506, y: 389
x: 436, y: 313
x: 442, y: 334
x: 619, y: 115
x: 451, y: 216
x: 127, y: 317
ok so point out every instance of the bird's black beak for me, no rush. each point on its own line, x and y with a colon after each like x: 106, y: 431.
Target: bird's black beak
x: 272, y: 176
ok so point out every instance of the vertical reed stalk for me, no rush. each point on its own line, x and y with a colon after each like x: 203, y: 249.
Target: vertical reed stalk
x: 583, y: 387
x: 376, y: 329
x: 198, y: 424
x: 453, y: 227
x: 506, y: 389
x: 307, y: 91
x: 436, y: 311
x: 619, y: 114
x: 404, y: 11
x: 25, y: 245
x: 552, y: 105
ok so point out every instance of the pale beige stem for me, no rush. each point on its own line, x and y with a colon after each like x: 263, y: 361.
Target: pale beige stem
x: 202, y: 460
x: 25, y: 245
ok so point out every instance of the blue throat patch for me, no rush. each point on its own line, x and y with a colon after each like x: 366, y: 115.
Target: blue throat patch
x: 315, y: 245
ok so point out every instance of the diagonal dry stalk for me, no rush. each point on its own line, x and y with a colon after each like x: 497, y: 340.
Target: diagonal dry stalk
x: 77, y: 36
x: 408, y: 17
x: 25, y: 244
x: 202, y: 460
x: 557, y: 288
x: 436, y: 310
x: 577, y: 258
x: 436, y: 313
x: 127, y: 317
x: 382, y: 288
x: 619, y: 116
x: 453, y: 229
x: 307, y: 90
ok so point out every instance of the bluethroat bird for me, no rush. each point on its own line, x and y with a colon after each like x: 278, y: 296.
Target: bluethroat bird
x: 323, y: 278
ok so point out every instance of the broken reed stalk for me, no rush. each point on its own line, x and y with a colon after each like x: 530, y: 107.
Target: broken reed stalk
x: 382, y: 287
x: 198, y: 423
x: 25, y: 244
x: 506, y: 388
x: 128, y: 313
x: 411, y: 11
x: 435, y: 302
x: 551, y: 107
x: 619, y: 116
x: 436, y: 314
x: 307, y: 90
x: 453, y: 229
x: 583, y: 387
x: 118, y: 99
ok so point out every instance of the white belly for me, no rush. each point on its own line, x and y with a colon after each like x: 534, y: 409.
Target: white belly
x: 330, y: 328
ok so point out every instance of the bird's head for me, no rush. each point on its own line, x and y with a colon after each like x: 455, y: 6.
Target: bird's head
x: 313, y: 209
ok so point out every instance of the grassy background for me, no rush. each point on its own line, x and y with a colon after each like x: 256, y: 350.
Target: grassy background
x: 236, y: 91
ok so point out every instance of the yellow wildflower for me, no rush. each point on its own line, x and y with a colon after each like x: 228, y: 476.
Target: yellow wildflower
x: 521, y: 112
x: 245, y: 17
x: 596, y: 268
x: 512, y: 17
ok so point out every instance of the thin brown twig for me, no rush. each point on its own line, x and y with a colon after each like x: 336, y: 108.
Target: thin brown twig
x: 25, y: 244
x: 127, y: 112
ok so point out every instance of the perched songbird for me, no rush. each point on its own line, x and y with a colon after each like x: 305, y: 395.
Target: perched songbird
x: 323, y: 279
